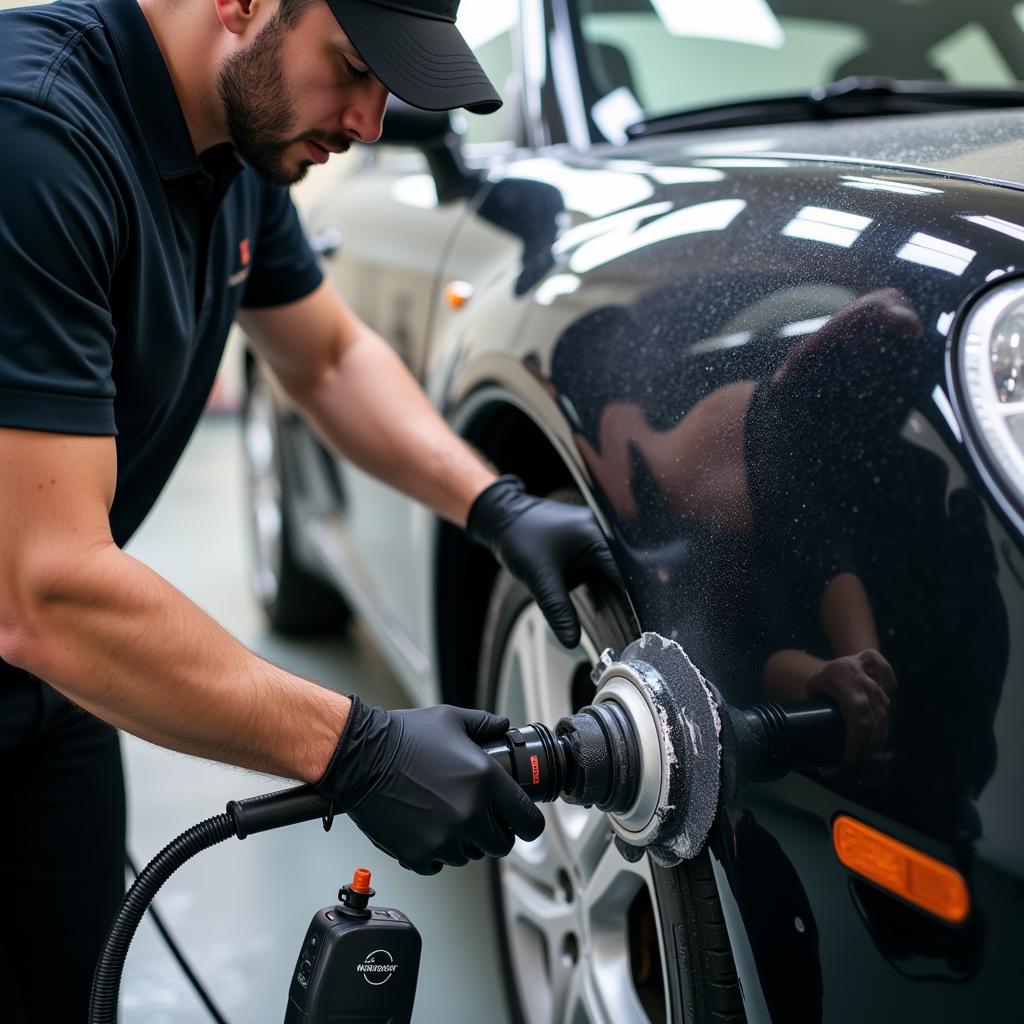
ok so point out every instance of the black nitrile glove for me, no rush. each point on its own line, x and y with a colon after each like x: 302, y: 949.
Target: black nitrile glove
x: 548, y: 545
x: 420, y: 787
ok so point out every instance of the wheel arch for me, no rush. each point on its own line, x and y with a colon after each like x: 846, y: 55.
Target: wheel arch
x: 507, y: 436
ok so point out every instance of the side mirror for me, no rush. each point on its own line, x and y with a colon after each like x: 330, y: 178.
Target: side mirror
x: 431, y: 132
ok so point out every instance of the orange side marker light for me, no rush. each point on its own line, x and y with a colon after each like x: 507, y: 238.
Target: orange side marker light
x: 919, y: 879
x: 457, y: 294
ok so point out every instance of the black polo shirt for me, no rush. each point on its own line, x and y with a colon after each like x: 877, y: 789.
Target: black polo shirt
x: 124, y: 256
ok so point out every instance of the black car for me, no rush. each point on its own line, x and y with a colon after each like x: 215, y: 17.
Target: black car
x: 746, y: 278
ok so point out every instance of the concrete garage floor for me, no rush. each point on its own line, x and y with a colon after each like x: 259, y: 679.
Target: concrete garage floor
x: 241, y: 909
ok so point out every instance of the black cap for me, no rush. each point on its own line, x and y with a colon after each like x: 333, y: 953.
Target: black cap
x: 417, y: 53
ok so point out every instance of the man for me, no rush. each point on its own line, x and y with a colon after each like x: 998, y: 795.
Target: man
x: 146, y: 149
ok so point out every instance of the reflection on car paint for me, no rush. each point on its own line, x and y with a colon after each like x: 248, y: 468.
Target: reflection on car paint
x: 768, y: 433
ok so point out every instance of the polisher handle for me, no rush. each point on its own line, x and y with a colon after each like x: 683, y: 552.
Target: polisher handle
x: 275, y: 810
x: 815, y: 732
x: 772, y: 739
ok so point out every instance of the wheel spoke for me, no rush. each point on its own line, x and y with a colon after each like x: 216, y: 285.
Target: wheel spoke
x: 604, y: 994
x: 567, y: 1010
x: 613, y: 883
x: 265, y: 507
x: 553, y: 671
x: 564, y: 972
x: 607, y: 897
x: 587, y: 835
x: 540, y: 860
x: 583, y: 1003
x: 259, y: 433
x: 527, y: 899
x: 523, y: 687
x: 529, y: 907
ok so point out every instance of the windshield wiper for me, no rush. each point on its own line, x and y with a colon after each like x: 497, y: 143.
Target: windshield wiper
x: 849, y: 97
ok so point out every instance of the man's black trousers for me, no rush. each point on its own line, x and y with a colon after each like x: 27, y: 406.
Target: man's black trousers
x: 62, y: 825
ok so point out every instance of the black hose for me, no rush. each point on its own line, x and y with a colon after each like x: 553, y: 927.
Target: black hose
x: 183, y: 963
x: 107, y: 979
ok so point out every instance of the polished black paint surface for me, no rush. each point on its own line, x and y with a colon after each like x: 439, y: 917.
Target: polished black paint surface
x: 752, y: 372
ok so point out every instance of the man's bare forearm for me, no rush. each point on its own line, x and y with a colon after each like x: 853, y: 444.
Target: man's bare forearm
x: 120, y: 641
x: 372, y: 410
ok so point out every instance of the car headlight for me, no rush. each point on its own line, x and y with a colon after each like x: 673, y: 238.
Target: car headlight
x: 990, y: 361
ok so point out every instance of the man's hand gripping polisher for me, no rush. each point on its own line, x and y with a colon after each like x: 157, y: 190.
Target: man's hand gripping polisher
x: 659, y: 747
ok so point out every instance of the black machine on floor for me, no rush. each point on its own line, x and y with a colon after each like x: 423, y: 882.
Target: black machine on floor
x: 357, y: 963
x: 656, y: 750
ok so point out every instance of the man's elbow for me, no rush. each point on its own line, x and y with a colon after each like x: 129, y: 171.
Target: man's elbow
x: 313, y: 383
x: 30, y: 587
x: 20, y: 643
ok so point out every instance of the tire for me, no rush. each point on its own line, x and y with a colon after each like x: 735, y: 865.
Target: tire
x: 584, y: 935
x: 293, y: 599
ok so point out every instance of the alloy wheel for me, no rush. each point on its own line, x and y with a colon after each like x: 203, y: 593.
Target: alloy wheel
x: 567, y: 896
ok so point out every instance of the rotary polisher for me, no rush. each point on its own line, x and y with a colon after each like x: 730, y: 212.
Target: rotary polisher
x: 659, y: 747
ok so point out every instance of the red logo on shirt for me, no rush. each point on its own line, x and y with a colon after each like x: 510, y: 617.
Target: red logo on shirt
x: 245, y: 258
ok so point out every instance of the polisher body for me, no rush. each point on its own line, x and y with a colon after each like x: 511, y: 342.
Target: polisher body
x: 659, y: 748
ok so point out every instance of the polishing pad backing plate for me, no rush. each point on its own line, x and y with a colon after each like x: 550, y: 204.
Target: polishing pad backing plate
x: 682, y: 720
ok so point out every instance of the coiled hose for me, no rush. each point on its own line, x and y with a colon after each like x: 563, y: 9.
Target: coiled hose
x: 243, y: 818
x: 106, y: 983
x: 186, y: 968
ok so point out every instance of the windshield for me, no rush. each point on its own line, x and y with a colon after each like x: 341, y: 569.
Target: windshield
x: 642, y: 58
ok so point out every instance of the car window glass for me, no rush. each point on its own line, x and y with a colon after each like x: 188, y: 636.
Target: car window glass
x: 968, y: 56
x: 812, y: 49
x: 670, y: 59
x: 487, y: 27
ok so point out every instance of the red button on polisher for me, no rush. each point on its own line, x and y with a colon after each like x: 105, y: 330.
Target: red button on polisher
x: 357, y: 893
x: 361, y: 881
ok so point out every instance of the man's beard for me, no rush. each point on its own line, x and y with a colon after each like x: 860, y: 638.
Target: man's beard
x: 258, y: 109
